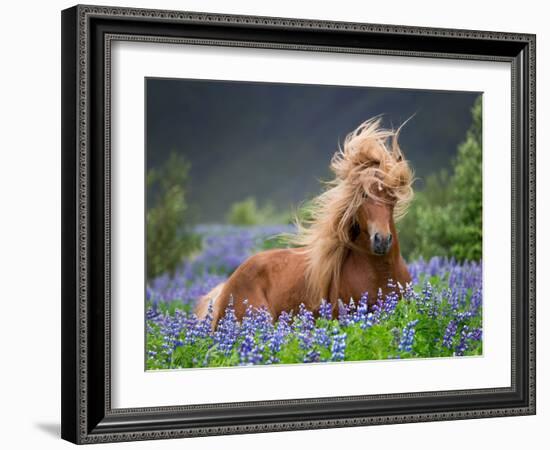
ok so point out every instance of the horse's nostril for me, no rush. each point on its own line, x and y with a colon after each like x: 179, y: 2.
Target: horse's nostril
x: 389, y: 238
x: 377, y: 238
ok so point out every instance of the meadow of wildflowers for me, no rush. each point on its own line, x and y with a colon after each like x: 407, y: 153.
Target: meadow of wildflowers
x: 440, y: 314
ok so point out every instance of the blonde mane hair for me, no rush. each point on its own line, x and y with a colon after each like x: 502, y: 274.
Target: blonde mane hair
x: 370, y: 162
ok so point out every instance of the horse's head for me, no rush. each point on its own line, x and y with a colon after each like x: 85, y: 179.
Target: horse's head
x: 374, y: 181
x: 374, y: 221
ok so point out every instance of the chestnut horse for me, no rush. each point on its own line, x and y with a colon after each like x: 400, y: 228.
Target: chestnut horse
x: 348, y: 247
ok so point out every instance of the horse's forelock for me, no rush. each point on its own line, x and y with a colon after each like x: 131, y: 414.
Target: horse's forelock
x: 379, y: 164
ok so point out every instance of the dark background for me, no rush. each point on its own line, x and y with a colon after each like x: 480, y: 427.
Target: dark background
x: 274, y: 141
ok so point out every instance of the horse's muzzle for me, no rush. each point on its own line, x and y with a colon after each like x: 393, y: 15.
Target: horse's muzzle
x: 381, y: 244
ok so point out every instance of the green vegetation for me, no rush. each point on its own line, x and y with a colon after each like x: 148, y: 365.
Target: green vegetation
x: 248, y: 213
x: 168, y: 237
x: 428, y: 322
x: 445, y: 218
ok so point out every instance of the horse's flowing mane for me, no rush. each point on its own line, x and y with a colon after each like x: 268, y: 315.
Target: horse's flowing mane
x: 370, y: 162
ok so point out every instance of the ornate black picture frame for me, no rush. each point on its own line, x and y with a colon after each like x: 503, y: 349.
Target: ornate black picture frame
x: 87, y: 34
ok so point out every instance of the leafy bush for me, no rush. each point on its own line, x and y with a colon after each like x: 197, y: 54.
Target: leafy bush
x: 423, y: 231
x: 245, y: 213
x: 168, y: 235
x: 445, y: 219
x: 248, y: 213
x: 466, y: 193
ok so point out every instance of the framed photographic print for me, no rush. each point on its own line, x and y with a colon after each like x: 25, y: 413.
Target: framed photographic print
x: 281, y: 224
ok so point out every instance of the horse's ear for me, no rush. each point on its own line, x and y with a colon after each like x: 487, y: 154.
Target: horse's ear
x: 354, y: 231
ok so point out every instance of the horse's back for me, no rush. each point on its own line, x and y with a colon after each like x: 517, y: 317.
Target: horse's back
x: 272, y: 279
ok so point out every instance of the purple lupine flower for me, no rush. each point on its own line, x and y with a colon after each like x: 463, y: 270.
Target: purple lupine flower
x: 390, y: 303
x: 247, y: 322
x: 463, y: 343
x: 312, y: 356
x: 426, y: 297
x: 321, y: 337
x: 450, y: 333
x: 385, y: 305
x: 338, y: 347
x: 276, y: 341
x: 152, y: 313
x: 475, y: 301
x: 377, y: 307
x: 401, y: 289
x: 362, y: 308
x: 343, y: 314
x: 407, y: 337
x: 263, y: 324
x: 434, y: 307
x: 249, y: 352
x: 408, y: 292
x: 467, y: 274
x: 363, y: 302
x: 463, y: 315
x: 465, y: 337
x: 475, y: 335
x: 304, y: 320
x: 463, y: 296
x: 303, y: 326
x: 281, y: 332
x: 204, y: 326
x: 227, y: 331
x: 305, y: 339
x: 362, y: 315
x: 191, y: 323
x: 284, y: 323
x: 325, y: 310
x: 453, y: 301
x: 391, y: 284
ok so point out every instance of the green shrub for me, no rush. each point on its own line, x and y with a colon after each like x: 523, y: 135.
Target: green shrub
x: 248, y: 213
x: 445, y: 218
x: 169, y: 238
x: 422, y: 232
x: 245, y: 213
x: 466, y: 194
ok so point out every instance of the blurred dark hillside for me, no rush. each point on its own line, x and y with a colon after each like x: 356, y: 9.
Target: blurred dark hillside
x: 275, y: 141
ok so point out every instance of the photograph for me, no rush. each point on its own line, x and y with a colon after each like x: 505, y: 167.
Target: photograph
x: 281, y: 221
x: 302, y: 223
